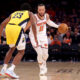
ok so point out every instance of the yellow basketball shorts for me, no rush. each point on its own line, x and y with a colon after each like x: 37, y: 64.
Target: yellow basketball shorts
x: 15, y: 36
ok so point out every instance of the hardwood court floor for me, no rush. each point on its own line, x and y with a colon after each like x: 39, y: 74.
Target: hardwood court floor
x: 56, y: 71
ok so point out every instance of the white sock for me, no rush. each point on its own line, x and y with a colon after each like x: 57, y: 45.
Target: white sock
x: 5, y: 67
x: 12, y: 67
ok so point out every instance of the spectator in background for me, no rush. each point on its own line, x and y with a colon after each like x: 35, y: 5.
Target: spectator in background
x: 51, y: 12
x: 59, y: 36
x: 67, y: 38
x: 76, y: 37
x: 57, y: 21
x: 52, y: 32
x: 56, y: 41
x: 74, y: 14
x: 70, y: 30
x: 50, y: 38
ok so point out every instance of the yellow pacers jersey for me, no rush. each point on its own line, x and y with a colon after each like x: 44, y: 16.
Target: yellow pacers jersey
x: 19, y: 17
x: 13, y: 28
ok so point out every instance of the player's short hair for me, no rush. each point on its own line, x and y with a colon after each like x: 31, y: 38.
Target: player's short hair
x: 25, y: 6
x: 41, y: 4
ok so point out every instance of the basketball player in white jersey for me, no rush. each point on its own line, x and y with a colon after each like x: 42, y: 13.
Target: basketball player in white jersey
x: 41, y: 18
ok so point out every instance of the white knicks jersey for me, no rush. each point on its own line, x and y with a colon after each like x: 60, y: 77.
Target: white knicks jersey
x: 40, y: 25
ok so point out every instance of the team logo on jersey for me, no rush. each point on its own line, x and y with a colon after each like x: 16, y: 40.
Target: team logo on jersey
x: 42, y: 23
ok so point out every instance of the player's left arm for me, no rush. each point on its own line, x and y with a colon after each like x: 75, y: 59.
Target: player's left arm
x: 27, y: 26
x: 51, y: 23
x: 3, y: 25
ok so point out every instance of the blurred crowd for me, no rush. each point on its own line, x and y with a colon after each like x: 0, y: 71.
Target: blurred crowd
x: 60, y: 12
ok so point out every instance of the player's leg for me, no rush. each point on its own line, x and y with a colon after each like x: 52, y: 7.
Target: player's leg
x: 38, y: 50
x: 42, y: 53
x: 45, y: 48
x: 39, y: 55
x: 9, y: 55
x: 45, y: 57
x: 42, y: 56
x: 17, y: 58
x: 40, y: 59
x: 6, y: 60
x: 44, y: 44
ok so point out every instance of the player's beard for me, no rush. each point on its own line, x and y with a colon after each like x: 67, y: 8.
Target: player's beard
x: 41, y: 14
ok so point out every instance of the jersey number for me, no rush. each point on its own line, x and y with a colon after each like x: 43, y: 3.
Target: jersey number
x: 18, y: 15
x: 41, y: 28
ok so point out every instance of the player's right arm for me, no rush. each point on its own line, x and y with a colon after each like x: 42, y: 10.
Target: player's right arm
x: 33, y: 23
x: 3, y: 25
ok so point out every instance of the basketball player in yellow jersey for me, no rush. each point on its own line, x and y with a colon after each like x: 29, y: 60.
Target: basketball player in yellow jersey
x: 14, y: 27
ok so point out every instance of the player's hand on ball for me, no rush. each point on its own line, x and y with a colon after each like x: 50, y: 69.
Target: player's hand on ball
x: 63, y: 28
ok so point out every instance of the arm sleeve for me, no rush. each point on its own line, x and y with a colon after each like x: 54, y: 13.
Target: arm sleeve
x: 52, y: 24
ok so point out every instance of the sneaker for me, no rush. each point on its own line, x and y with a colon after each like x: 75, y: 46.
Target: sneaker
x: 43, y: 77
x: 43, y: 71
x: 11, y: 74
x: 2, y: 73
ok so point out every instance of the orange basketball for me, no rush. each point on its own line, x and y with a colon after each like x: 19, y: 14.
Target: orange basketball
x: 63, y: 28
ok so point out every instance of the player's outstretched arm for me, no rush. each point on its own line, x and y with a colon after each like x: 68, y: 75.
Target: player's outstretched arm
x: 62, y: 28
x: 2, y: 25
x: 33, y: 23
x: 51, y: 23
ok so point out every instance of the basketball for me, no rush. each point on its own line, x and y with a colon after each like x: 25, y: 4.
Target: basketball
x: 63, y: 28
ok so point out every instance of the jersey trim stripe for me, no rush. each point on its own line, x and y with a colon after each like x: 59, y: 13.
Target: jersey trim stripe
x: 19, y: 36
x: 26, y: 20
